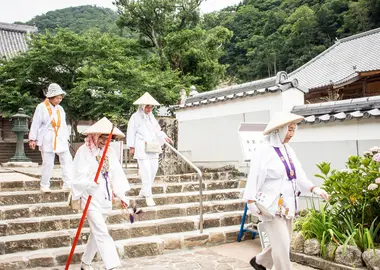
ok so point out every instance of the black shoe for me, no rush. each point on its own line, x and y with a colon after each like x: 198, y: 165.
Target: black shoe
x: 256, y: 265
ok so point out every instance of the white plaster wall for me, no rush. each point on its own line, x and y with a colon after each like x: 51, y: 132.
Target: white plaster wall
x: 357, y: 129
x: 334, y: 142
x: 213, y: 142
x: 269, y: 101
x: 208, y: 133
x: 291, y: 98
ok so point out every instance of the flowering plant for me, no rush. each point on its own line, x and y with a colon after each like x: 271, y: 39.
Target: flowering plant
x: 355, y: 187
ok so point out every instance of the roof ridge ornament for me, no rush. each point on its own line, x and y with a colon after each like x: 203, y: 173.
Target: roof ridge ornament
x: 281, y: 77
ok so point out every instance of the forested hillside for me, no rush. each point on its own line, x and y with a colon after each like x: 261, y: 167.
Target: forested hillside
x: 78, y: 19
x: 273, y: 35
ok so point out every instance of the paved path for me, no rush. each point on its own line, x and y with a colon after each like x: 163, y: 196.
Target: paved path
x: 234, y: 256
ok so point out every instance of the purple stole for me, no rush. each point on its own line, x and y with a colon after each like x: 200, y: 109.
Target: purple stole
x: 291, y: 172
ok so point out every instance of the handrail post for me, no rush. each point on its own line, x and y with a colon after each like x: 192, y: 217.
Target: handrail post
x: 200, y: 184
x: 200, y: 204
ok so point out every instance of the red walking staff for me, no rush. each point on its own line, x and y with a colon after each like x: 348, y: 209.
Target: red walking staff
x: 88, y: 201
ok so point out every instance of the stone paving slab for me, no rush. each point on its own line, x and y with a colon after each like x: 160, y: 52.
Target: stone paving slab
x: 13, y: 181
x: 31, y: 238
x: 234, y: 256
x: 15, y: 176
x: 134, y: 178
x: 32, y: 197
x: 4, y: 170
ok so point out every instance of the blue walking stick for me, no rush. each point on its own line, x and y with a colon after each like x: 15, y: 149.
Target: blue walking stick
x: 242, y: 229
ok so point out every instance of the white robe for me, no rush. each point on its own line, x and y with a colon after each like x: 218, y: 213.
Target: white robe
x: 85, y: 167
x: 42, y: 130
x: 144, y: 128
x: 267, y: 174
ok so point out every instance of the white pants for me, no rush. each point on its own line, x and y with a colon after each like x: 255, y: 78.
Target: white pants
x: 279, y: 232
x: 101, y: 241
x: 148, y: 170
x: 66, y: 162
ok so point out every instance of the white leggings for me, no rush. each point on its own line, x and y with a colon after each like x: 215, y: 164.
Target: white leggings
x: 148, y: 170
x: 66, y: 162
x: 101, y: 241
x: 279, y: 232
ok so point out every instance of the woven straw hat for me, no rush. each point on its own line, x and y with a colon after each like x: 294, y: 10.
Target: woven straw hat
x: 146, y: 99
x: 103, y: 126
x: 281, y: 119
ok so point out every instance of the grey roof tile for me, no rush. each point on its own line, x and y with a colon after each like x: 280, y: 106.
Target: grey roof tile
x: 342, y: 61
x: 339, y: 110
x: 13, y: 39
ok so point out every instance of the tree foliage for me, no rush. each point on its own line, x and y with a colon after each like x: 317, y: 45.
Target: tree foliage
x: 102, y: 73
x: 172, y: 29
x: 273, y: 35
x: 78, y: 19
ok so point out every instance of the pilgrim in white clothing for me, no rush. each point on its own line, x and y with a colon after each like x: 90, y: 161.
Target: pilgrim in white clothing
x: 275, y: 168
x: 112, y: 181
x: 50, y: 133
x: 144, y: 131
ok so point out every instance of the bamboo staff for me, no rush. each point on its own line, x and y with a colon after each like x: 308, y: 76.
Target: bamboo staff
x: 88, y: 202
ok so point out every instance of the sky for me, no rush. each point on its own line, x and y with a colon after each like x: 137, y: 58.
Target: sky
x: 24, y: 10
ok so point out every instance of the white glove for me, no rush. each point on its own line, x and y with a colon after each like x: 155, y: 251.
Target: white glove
x: 321, y: 193
x: 253, y: 209
x: 92, y: 187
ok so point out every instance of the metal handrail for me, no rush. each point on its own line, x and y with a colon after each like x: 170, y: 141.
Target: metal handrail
x: 200, y: 184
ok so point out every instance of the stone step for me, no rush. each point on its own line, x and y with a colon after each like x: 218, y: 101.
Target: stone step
x: 71, y: 221
x: 134, y: 178
x: 16, y: 181
x: 33, y: 197
x: 55, y: 258
x: 35, y: 204
x: 62, y: 238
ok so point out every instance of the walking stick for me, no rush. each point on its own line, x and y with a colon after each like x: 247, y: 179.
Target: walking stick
x: 88, y: 202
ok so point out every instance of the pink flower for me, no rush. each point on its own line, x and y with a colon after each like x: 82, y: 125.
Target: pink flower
x: 374, y: 149
x: 372, y: 186
x: 376, y: 157
x: 377, y: 181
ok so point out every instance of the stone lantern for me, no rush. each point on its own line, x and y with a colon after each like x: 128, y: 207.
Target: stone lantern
x: 20, y: 127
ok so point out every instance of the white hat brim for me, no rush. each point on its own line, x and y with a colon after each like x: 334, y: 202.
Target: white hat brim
x: 146, y: 99
x: 103, y: 126
x: 280, y: 120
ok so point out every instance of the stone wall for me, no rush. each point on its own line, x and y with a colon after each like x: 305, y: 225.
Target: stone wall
x: 170, y: 163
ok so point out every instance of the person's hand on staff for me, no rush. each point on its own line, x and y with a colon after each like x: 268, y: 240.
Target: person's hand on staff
x: 168, y: 140
x: 131, y: 150
x: 124, y: 204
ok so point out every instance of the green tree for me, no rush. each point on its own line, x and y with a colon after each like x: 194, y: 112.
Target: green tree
x: 102, y: 74
x: 78, y: 19
x: 172, y: 29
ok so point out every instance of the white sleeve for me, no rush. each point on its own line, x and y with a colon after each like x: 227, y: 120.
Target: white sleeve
x: 257, y: 173
x: 131, y: 132
x: 36, y: 124
x: 119, y: 180
x: 161, y: 136
x: 83, y: 174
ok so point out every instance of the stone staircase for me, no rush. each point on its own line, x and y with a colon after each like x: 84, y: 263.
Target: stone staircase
x: 37, y: 230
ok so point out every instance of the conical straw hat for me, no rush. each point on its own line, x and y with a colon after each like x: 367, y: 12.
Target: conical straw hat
x: 103, y: 126
x: 282, y: 119
x: 146, y: 99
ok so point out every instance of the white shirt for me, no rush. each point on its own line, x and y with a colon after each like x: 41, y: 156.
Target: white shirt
x: 144, y: 128
x: 85, y: 167
x: 42, y: 130
x: 268, y: 175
